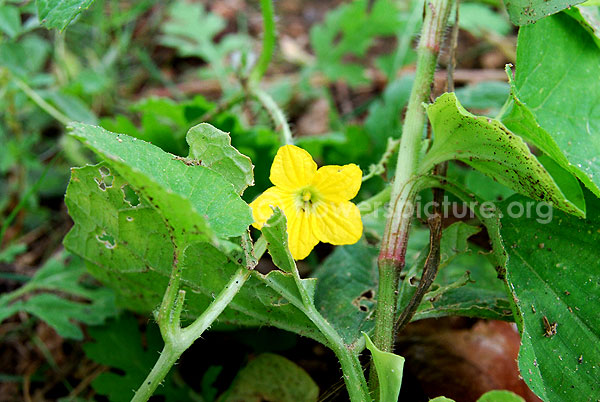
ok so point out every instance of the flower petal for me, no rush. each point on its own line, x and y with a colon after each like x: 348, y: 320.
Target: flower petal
x: 301, y: 233
x: 338, y: 223
x: 338, y: 183
x: 261, y: 206
x: 292, y: 168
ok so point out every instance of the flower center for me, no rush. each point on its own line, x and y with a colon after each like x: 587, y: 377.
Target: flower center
x: 306, y: 195
x: 307, y: 199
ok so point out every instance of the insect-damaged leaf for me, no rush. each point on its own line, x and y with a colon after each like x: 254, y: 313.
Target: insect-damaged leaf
x: 488, y: 146
x: 212, y: 148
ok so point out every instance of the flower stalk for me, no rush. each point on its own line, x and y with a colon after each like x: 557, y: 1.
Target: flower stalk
x: 393, y: 248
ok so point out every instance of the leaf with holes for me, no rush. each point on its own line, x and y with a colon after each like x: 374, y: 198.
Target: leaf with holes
x: 196, y: 202
x: 128, y: 247
x: 347, y: 283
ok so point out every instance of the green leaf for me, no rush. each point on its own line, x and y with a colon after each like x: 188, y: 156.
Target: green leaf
x: 128, y: 247
x: 485, y: 95
x: 466, y: 284
x: 213, y: 148
x: 72, y: 106
x: 523, y: 12
x: 346, y: 288
x: 275, y: 232
x: 589, y: 18
x: 26, y: 56
x: 519, y: 118
x: 389, y: 371
x: 61, y: 313
x: 350, y: 30
x: 347, y: 283
x: 557, y: 80
x: 384, y: 120
x: 188, y: 196
x: 192, y: 30
x: 10, y: 20
x: 270, y: 377
x: 118, y: 345
x: 490, y: 396
x: 488, y: 146
x: 553, y: 271
x: 59, y: 13
x: 500, y: 396
x: 481, y: 20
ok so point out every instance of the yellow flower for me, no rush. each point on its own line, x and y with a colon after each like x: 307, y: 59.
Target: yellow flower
x: 315, y: 202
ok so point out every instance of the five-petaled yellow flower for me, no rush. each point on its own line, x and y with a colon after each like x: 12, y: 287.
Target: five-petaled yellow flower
x: 316, y: 202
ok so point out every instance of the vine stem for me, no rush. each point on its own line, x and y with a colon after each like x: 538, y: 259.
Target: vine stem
x: 178, y: 340
x: 276, y: 113
x: 268, y: 43
x: 393, y: 248
x: 35, y: 97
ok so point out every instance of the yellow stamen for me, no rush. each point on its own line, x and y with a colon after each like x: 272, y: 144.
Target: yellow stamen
x: 306, y: 195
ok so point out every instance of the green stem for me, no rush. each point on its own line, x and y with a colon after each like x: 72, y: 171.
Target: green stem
x: 268, y: 43
x: 377, y: 201
x: 48, y: 108
x: 161, y: 368
x: 354, y: 377
x: 393, y: 248
x: 276, y: 114
x: 379, y: 168
x: 177, y: 339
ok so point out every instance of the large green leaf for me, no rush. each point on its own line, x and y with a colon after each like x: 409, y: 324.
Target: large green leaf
x: 488, y: 146
x: 519, y: 118
x: 553, y: 272
x: 524, y: 12
x: 63, y: 276
x: 589, y: 18
x: 212, y: 147
x: 270, y: 377
x: 59, y: 13
x: 128, y: 247
x: 189, y: 197
x: 558, y: 81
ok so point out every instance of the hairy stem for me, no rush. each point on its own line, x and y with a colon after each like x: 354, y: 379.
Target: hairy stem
x: 178, y: 340
x: 393, y: 247
x: 276, y: 114
x: 268, y: 43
